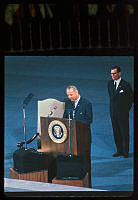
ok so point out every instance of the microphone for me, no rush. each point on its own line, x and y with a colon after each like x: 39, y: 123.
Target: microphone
x: 51, y: 112
x: 27, y: 100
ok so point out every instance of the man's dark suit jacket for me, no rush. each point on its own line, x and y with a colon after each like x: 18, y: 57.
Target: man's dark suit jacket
x: 83, y: 110
x: 121, y: 99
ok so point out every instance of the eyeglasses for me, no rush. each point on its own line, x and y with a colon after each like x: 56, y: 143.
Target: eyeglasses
x: 114, y: 73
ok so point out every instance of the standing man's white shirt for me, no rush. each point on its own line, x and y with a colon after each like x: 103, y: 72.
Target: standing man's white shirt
x: 117, y: 82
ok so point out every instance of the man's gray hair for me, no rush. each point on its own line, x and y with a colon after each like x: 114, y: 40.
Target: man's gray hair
x: 71, y: 86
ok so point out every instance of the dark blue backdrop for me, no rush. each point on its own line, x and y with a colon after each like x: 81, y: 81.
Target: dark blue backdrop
x: 47, y: 77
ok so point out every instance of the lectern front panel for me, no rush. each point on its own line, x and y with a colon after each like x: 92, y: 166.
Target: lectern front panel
x: 57, y: 144
x: 55, y: 136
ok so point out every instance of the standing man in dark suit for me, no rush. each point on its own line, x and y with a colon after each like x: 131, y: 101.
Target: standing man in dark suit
x: 121, y: 99
x: 79, y: 109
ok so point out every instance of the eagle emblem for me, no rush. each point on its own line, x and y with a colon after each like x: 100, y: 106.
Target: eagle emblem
x: 57, y: 131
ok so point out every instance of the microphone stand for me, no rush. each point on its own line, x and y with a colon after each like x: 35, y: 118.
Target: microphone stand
x: 24, y: 128
x: 25, y: 102
x: 70, y: 155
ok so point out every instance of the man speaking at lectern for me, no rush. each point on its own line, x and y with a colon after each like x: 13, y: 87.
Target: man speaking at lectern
x: 79, y: 109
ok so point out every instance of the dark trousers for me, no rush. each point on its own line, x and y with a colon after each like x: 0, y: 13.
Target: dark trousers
x: 89, y: 169
x: 121, y: 132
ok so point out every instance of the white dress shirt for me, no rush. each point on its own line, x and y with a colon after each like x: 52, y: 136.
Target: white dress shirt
x: 117, y: 82
x: 76, y: 103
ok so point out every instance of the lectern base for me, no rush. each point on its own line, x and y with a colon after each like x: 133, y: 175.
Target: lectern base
x: 41, y: 176
x: 79, y: 183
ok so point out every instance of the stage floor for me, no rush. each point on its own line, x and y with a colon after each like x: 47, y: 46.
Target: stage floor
x: 16, y: 185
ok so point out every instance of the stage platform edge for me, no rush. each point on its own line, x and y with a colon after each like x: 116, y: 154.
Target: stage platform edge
x: 16, y: 185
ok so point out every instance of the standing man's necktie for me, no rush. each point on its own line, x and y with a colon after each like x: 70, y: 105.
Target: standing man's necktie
x: 115, y: 85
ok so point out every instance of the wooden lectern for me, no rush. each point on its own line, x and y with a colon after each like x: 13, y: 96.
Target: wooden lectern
x: 80, y: 138
x: 77, y: 142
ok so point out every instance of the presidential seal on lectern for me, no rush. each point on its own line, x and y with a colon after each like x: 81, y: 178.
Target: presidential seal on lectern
x: 57, y: 131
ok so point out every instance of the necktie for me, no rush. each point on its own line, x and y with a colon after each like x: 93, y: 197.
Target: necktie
x: 73, y: 105
x: 115, y: 85
x: 73, y: 109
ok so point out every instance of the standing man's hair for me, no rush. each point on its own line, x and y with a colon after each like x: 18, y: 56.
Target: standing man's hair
x: 72, y: 86
x: 116, y: 67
